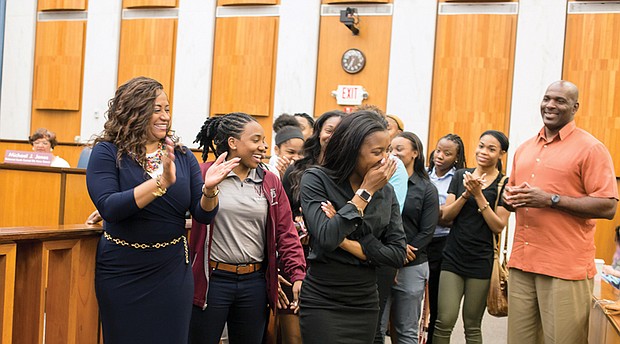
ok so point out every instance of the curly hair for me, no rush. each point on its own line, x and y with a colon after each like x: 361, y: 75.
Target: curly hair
x: 128, y: 116
x: 284, y: 120
x: 215, y: 131
x: 43, y: 133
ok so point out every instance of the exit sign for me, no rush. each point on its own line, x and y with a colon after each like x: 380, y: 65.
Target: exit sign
x: 350, y: 95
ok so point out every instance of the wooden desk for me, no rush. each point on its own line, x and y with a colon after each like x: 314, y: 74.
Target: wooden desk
x: 604, y: 327
x: 47, y: 285
x: 43, y: 196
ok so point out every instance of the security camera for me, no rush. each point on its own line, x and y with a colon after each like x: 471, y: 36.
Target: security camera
x: 350, y: 19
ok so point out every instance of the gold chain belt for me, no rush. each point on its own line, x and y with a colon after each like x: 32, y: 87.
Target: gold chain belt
x: 140, y: 246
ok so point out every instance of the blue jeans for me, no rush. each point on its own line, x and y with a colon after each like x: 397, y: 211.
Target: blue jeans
x: 240, y: 301
x: 405, y: 303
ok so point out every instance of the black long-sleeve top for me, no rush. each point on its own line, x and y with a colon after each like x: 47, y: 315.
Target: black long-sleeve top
x: 420, y: 215
x: 380, y: 231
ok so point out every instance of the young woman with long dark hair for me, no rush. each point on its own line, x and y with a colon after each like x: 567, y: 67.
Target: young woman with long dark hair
x: 339, y: 299
x: 420, y: 215
x: 468, y: 255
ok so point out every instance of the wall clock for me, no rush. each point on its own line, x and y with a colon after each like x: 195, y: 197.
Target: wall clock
x: 353, y: 61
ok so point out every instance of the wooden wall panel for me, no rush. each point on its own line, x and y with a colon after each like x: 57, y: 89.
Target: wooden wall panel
x: 334, y: 40
x: 247, y: 2
x: 66, y: 124
x: 29, y: 312
x: 244, y: 61
x: 56, y: 5
x: 58, y: 75
x: 55, y: 277
x: 147, y: 48
x: 592, y: 62
x: 604, y: 236
x: 61, y: 260
x: 78, y: 204
x: 8, y: 253
x: 244, y: 65
x: 150, y: 3
x: 23, y: 204
x: 474, y: 58
x: 353, y: 2
x: 59, y: 57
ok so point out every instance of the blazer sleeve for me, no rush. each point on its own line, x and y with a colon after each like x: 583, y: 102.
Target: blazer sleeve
x: 103, y: 183
x: 327, y: 233
x: 429, y: 217
x: 391, y: 250
x: 196, y: 181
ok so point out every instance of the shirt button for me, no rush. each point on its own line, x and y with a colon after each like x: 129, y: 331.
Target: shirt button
x: 526, y: 210
x: 527, y: 243
x: 527, y: 226
x: 532, y: 175
x: 537, y: 159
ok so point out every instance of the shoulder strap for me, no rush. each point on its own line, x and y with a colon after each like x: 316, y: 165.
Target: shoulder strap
x: 496, y: 237
x: 500, y: 187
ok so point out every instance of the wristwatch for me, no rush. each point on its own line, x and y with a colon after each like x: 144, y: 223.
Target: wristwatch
x: 555, y: 199
x: 364, y: 195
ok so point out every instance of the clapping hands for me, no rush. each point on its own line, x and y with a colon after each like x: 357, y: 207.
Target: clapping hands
x: 474, y: 184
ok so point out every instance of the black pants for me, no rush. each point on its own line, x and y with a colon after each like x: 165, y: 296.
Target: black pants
x: 434, y: 252
x: 240, y: 301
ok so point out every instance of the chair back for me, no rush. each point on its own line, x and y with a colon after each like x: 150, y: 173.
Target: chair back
x: 84, y: 157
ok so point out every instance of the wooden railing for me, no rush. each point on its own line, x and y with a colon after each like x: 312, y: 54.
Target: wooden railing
x: 47, y: 278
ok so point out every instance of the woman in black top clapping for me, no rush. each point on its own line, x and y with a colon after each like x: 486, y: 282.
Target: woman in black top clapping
x: 468, y: 256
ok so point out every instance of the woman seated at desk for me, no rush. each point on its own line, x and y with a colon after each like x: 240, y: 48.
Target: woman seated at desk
x: 44, y: 141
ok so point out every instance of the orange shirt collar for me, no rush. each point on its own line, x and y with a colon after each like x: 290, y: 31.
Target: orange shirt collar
x: 563, y: 134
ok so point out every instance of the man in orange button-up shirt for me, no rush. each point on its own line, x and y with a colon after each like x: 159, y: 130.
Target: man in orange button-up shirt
x: 561, y: 180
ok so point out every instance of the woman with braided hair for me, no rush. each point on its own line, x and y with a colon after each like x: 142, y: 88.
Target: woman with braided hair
x: 142, y: 185
x: 234, y: 257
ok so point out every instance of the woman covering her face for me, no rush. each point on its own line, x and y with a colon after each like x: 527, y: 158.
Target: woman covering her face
x: 234, y: 257
x: 142, y: 185
x: 339, y: 300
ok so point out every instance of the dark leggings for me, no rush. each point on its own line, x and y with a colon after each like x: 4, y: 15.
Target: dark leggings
x: 434, y: 252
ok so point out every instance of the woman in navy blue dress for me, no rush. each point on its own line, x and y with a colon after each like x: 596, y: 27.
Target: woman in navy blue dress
x: 142, y: 185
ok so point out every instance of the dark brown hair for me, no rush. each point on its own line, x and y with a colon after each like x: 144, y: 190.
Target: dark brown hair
x: 128, y: 116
